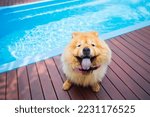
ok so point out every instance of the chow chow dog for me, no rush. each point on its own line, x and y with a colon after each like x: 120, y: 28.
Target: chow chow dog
x: 85, y: 60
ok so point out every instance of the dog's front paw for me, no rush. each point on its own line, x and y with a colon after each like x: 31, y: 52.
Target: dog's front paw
x: 96, y: 87
x: 67, y: 84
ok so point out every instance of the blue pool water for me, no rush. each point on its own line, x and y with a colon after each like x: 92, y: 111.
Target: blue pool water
x: 32, y: 32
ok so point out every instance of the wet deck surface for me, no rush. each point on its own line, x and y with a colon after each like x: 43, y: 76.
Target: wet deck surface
x: 128, y: 76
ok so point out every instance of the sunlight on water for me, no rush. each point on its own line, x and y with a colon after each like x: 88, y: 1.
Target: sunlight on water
x: 56, y: 34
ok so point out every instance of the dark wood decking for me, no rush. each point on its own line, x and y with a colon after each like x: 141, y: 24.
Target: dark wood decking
x: 128, y: 76
x: 14, y: 2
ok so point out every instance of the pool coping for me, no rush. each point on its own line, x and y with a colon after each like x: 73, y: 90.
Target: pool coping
x: 29, y: 60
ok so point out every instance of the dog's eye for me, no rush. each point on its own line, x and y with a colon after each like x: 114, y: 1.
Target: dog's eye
x: 93, y: 44
x: 79, y: 45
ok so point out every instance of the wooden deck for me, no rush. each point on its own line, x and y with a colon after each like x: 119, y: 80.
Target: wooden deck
x: 128, y: 75
x: 14, y: 2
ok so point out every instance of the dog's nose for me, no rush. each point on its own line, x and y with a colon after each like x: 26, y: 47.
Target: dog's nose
x: 86, y: 51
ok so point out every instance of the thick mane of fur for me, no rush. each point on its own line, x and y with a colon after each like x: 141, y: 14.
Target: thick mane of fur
x: 97, y: 48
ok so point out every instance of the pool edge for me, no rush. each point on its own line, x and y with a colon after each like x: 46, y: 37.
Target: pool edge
x: 125, y: 30
x: 55, y: 52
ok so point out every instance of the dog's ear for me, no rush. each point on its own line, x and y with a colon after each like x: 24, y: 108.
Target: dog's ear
x: 74, y: 34
x: 94, y: 33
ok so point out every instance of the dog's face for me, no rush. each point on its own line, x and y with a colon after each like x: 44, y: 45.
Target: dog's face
x: 85, y: 44
x: 85, y: 47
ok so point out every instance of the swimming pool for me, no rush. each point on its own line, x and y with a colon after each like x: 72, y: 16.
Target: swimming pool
x: 33, y: 32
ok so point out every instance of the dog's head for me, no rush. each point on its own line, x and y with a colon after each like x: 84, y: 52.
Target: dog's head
x: 86, y: 47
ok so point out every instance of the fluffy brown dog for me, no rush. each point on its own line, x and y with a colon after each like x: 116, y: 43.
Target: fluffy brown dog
x: 85, y: 60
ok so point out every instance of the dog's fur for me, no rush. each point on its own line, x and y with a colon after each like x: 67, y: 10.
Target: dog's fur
x: 100, y: 53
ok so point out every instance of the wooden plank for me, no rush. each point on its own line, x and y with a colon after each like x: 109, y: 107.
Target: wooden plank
x: 103, y: 95
x: 125, y: 78
x: 56, y: 79
x: 132, y: 73
x: 2, y: 86
x: 145, y: 34
x: 12, y: 88
x: 147, y: 28
x: 4, y: 2
x: 88, y: 94
x: 135, y: 44
x: 74, y: 92
x: 130, y: 62
x: 23, y: 84
x: 135, y: 51
x: 111, y: 89
x: 139, y: 39
x: 59, y: 67
x: 13, y: 2
x: 120, y: 85
x: 146, y: 31
x: 35, y: 86
x: 46, y: 83
x: 140, y: 33
x: 122, y: 74
x: 130, y: 54
x: 134, y: 64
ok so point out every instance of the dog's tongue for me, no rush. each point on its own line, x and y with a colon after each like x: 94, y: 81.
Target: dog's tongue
x: 86, y: 63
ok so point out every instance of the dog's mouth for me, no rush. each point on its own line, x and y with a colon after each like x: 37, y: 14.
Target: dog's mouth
x: 85, y: 57
x: 86, y: 64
